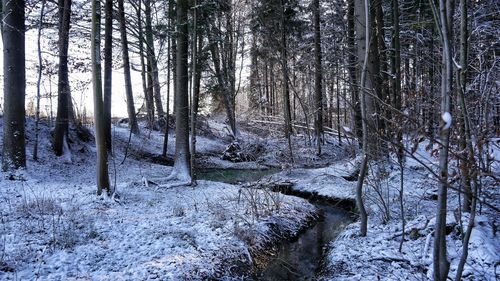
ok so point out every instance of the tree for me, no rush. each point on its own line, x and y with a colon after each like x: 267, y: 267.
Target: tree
x: 63, y: 88
x: 147, y: 84
x: 14, y: 150
x: 99, y: 118
x: 441, y: 265
x: 108, y: 69
x: 197, y: 41
x: 181, y: 169
x: 151, y: 57
x: 132, y: 120
x: 286, y: 87
x: 38, y: 82
x: 363, y: 33
x: 351, y: 68
x: 318, y: 96
x: 170, y: 68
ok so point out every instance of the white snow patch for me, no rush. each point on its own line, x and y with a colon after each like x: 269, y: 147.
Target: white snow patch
x: 447, y: 120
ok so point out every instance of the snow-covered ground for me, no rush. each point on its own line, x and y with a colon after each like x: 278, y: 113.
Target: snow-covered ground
x: 53, y: 227
x: 377, y: 256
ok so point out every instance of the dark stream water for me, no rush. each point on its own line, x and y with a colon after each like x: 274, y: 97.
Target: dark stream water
x: 234, y: 176
x: 301, y: 258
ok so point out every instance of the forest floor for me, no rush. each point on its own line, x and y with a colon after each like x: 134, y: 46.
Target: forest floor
x: 53, y: 227
x: 377, y: 256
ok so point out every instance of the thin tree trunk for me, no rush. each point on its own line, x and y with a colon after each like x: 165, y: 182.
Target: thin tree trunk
x: 63, y: 89
x: 150, y: 105
x: 150, y: 51
x: 14, y: 150
x: 363, y: 33
x: 99, y: 119
x: 441, y: 264
x: 197, y: 40
x: 38, y: 82
x: 318, y: 91
x: 173, y: 20
x: 169, y: 66
x: 108, y: 69
x: 132, y: 120
x: 286, y: 87
x: 465, y: 141
x: 337, y: 88
x: 146, y: 83
x: 396, y: 81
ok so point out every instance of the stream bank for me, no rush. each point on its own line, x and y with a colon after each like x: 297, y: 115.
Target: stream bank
x: 287, y: 256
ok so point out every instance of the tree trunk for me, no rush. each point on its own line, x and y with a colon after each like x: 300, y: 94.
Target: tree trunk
x: 63, y: 89
x: 364, y: 29
x: 396, y: 71
x: 14, y: 150
x: 352, y: 69
x: 318, y: 94
x: 38, y: 82
x: 145, y: 85
x: 108, y: 69
x: 286, y: 87
x: 197, y: 41
x: 465, y: 141
x: 181, y: 169
x: 99, y: 118
x: 169, y: 66
x: 150, y: 51
x: 363, y: 32
x: 132, y: 120
x: 441, y: 264
x: 173, y: 20
x: 150, y: 106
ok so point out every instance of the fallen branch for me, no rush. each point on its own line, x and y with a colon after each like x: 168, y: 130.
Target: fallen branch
x: 390, y: 259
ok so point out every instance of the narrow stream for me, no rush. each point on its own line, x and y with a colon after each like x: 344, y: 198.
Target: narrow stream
x: 301, y: 258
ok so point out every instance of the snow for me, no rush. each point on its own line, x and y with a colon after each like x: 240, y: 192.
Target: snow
x: 327, y: 182
x: 53, y: 227
x: 377, y: 256
x: 447, y: 119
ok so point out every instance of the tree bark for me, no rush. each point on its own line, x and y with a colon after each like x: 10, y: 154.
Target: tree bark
x: 318, y: 94
x: 181, y: 169
x: 63, y: 89
x: 14, y: 150
x: 150, y: 105
x: 150, y: 51
x: 197, y: 41
x: 352, y: 69
x: 364, y: 29
x: 132, y: 120
x: 145, y: 84
x: 465, y: 139
x: 169, y: 67
x: 99, y: 118
x: 286, y: 86
x: 396, y: 71
x: 38, y: 82
x: 363, y: 32
x: 108, y: 69
x: 441, y: 264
